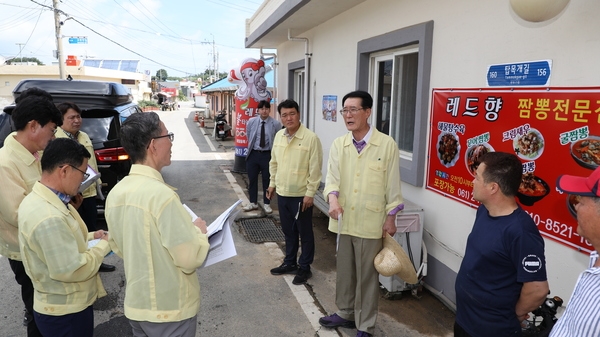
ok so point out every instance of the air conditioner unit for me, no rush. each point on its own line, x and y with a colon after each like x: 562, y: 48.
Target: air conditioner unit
x: 409, y: 234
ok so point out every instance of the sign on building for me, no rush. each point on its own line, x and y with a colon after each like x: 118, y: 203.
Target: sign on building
x: 553, y: 131
x: 535, y: 73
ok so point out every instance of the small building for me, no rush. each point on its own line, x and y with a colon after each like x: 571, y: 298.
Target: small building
x: 120, y: 71
x: 408, y: 53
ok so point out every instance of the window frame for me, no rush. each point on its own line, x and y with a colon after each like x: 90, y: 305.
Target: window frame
x: 412, y: 171
x: 376, y: 59
x: 296, y: 90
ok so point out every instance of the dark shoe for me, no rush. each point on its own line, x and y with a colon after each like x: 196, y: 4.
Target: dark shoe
x: 27, y: 317
x: 285, y: 269
x: 363, y: 334
x: 335, y: 321
x: 302, y: 276
x: 104, y: 268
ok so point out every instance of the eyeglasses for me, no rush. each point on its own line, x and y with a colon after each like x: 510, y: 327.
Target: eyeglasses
x: 352, y: 111
x: 171, y: 136
x: 85, y: 174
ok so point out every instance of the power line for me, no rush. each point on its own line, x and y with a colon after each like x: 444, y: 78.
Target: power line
x: 122, y: 46
x: 19, y: 19
x: 149, y: 46
x: 157, y: 19
x: 231, y: 5
x: 5, y: 4
x: 134, y: 39
x: 142, y: 22
x: 109, y: 39
x: 33, y: 30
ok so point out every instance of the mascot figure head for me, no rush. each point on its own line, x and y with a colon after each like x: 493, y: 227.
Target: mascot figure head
x: 251, y: 80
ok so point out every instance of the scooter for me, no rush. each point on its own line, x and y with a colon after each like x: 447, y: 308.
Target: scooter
x: 222, y: 129
x: 547, y: 311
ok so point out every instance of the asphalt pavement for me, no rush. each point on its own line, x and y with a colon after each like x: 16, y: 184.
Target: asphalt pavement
x: 239, y: 297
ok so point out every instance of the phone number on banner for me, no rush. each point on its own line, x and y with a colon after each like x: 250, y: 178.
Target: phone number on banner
x: 560, y: 231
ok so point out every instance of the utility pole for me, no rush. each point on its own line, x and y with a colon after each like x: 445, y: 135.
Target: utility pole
x: 59, y: 50
x: 20, y: 49
x: 214, y: 60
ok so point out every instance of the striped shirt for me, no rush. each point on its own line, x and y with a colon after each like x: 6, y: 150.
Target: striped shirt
x: 582, y: 317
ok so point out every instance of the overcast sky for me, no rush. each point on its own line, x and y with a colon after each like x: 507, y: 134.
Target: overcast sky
x: 176, y: 35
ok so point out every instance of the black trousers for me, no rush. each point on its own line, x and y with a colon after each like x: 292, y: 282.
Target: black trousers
x: 26, y: 293
x: 258, y: 162
x: 79, y: 324
x: 89, y: 213
x: 293, y: 228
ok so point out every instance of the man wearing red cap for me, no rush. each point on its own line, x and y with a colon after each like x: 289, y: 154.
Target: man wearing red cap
x: 582, y: 317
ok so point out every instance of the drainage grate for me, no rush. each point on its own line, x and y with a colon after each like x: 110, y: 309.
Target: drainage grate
x: 261, y: 230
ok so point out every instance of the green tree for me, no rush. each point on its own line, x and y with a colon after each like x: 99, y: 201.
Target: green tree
x: 25, y: 59
x: 206, y: 75
x: 161, y: 75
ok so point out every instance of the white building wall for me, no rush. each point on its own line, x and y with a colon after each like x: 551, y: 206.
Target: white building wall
x: 468, y: 35
x: 11, y: 75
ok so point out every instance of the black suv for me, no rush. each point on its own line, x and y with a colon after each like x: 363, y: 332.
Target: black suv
x: 104, y: 106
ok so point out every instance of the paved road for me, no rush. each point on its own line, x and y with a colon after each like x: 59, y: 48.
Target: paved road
x: 239, y: 296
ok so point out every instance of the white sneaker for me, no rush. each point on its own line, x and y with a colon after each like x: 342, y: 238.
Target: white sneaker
x: 250, y: 207
x: 268, y: 209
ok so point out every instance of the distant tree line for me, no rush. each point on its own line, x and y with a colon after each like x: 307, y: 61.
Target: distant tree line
x: 25, y: 59
x: 162, y: 75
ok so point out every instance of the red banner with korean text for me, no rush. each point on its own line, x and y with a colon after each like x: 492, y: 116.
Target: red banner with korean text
x: 553, y: 131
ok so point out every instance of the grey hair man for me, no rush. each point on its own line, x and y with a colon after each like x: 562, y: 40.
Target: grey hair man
x: 150, y: 229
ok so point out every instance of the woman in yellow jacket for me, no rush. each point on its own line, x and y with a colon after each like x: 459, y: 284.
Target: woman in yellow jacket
x: 71, y: 128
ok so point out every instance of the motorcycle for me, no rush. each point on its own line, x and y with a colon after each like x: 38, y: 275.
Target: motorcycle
x: 547, y: 311
x: 222, y: 129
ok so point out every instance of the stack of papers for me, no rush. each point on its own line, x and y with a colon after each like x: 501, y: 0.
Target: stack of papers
x: 90, y: 180
x: 221, y: 242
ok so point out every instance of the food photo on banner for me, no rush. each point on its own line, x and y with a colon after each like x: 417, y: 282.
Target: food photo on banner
x: 553, y: 131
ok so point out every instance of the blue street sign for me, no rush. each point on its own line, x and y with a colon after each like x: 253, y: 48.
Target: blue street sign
x: 535, y: 73
x: 78, y: 40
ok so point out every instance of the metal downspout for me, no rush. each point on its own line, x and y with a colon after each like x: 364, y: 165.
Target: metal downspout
x: 307, y: 56
x: 275, y: 88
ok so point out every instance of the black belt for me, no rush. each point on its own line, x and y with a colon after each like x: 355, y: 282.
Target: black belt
x: 261, y: 151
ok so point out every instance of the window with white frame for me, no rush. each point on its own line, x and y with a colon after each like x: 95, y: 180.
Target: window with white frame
x: 299, y: 92
x: 296, y: 87
x: 395, y: 68
x: 394, y: 82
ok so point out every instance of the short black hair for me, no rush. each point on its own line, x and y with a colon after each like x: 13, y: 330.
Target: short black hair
x: 63, y: 151
x: 65, y: 106
x: 264, y: 104
x: 289, y: 104
x: 504, y: 169
x: 35, y: 108
x: 366, y: 99
x: 137, y: 132
x: 34, y: 91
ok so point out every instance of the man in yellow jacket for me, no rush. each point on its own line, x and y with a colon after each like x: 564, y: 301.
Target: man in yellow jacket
x: 295, y: 167
x: 363, y: 188
x: 54, y: 245
x: 71, y: 128
x: 154, y: 235
x: 35, y: 118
